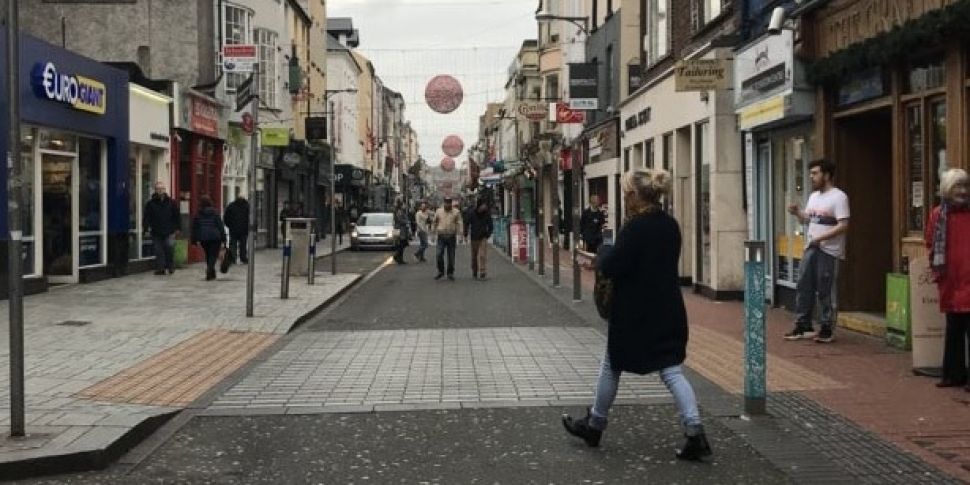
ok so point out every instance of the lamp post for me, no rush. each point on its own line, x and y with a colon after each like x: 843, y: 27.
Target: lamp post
x: 15, y: 211
x: 543, y: 16
x: 333, y: 179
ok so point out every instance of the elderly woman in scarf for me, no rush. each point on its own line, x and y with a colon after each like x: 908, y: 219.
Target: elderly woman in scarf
x: 947, y: 237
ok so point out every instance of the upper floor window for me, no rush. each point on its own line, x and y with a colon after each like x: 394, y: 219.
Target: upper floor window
x: 237, y: 29
x: 657, y: 40
x: 710, y: 10
x: 267, y: 41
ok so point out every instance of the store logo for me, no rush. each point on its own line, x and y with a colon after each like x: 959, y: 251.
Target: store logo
x: 80, y: 92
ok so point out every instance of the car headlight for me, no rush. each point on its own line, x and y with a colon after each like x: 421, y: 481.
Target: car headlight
x: 390, y: 233
x: 353, y: 234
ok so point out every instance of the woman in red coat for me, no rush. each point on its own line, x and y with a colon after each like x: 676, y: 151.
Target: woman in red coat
x: 947, y: 237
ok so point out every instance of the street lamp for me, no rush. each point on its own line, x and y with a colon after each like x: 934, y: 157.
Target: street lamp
x: 543, y: 16
x: 333, y: 176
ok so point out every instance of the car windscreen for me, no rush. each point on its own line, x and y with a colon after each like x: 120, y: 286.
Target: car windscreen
x: 375, y: 220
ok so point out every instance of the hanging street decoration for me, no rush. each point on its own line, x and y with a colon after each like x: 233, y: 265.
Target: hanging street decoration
x: 443, y: 94
x: 453, y: 145
x: 447, y: 164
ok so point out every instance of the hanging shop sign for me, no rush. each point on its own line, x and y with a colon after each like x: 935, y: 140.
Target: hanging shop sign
x: 767, y: 68
x: 583, y: 93
x: 79, y: 92
x: 205, y: 117
x: 701, y: 75
x: 239, y: 57
x: 316, y: 128
x: 533, y: 110
x: 566, y: 115
x: 274, y: 137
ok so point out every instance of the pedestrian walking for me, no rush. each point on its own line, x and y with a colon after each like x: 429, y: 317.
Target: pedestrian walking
x: 647, y: 318
x: 162, y: 220
x: 591, y: 225
x: 827, y: 216
x: 285, y: 213
x: 422, y: 221
x: 447, y: 227
x: 208, y: 232
x: 402, y: 226
x: 478, y: 230
x: 946, y: 238
x: 341, y: 222
x: 237, y: 221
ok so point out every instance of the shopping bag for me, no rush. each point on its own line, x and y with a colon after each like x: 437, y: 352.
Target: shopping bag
x: 225, y: 259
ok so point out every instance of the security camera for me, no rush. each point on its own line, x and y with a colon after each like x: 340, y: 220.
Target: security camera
x: 777, y: 22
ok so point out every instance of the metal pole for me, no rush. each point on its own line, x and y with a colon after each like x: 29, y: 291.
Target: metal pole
x: 285, y: 267
x: 251, y: 237
x: 555, y: 223
x: 15, y: 198
x: 755, y: 386
x: 311, y: 259
x: 333, y: 194
x: 541, y: 219
x: 577, y: 169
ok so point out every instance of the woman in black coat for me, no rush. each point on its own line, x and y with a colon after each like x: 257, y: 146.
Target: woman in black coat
x: 648, y: 321
x: 209, y: 232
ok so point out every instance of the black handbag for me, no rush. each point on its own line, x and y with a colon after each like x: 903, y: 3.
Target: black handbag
x: 227, y: 259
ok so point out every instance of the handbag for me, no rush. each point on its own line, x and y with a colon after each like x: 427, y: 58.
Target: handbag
x: 225, y: 259
x: 603, y: 295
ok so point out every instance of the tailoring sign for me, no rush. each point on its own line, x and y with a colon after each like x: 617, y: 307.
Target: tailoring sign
x: 79, y: 92
x: 701, y: 75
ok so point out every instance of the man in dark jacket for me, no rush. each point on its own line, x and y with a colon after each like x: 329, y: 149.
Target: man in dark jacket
x: 161, y: 219
x: 591, y: 224
x: 478, y: 229
x: 237, y: 221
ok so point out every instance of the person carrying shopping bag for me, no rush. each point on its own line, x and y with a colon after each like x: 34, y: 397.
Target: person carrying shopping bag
x: 208, y: 231
x: 647, y: 318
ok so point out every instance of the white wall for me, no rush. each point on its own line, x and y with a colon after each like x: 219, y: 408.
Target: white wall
x: 342, y: 74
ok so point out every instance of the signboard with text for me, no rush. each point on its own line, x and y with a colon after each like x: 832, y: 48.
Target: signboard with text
x: 568, y: 116
x: 205, y: 117
x: 701, y: 75
x: 239, y: 57
x: 533, y: 110
x: 583, y: 93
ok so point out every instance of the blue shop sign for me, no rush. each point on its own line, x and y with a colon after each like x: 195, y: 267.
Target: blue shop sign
x: 77, y: 91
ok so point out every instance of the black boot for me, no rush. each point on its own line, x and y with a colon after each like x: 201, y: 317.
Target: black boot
x: 695, y: 449
x: 581, y: 429
x: 210, y: 274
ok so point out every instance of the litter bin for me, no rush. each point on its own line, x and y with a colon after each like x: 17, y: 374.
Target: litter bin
x: 298, y: 230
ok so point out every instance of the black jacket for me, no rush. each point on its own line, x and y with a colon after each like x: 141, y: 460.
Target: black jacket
x: 237, y: 218
x: 161, y: 216
x: 648, y: 321
x: 591, y: 225
x: 207, y: 226
x: 478, y: 224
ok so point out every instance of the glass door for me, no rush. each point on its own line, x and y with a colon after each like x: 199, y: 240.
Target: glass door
x: 58, y: 179
x: 763, y: 223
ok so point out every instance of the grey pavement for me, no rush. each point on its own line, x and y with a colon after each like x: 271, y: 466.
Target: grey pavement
x: 115, y: 324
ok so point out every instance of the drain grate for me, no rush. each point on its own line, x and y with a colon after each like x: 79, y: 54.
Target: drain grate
x: 74, y: 323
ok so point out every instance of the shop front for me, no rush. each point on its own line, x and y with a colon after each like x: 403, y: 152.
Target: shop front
x: 775, y: 106
x: 74, y: 154
x: 893, y: 115
x: 149, y: 162
x: 199, y: 153
x: 351, y: 187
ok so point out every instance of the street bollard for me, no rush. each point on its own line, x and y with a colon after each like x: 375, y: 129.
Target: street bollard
x: 311, y: 260
x: 285, y: 277
x: 755, y: 385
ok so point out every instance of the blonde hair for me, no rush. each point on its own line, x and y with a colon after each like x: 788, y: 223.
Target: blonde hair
x: 950, y: 179
x: 648, y: 185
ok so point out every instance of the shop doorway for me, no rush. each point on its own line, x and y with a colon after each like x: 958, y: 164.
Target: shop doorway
x: 864, y: 157
x: 57, y: 189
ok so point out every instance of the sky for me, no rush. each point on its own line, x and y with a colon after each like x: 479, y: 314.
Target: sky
x: 411, y: 41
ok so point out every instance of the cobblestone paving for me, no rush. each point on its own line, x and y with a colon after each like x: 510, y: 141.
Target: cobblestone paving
x: 865, y: 456
x: 424, y: 368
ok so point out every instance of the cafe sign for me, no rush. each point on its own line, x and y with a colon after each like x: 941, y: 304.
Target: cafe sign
x: 533, y: 111
x: 79, y: 92
x: 701, y: 75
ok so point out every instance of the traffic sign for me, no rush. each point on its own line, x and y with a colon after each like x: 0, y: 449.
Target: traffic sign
x: 247, y: 124
x: 244, y: 93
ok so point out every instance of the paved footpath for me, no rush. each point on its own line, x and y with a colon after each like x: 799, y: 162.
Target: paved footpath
x: 857, y: 400
x: 105, y: 359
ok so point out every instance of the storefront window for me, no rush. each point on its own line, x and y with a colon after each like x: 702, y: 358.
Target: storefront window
x: 28, y: 137
x: 90, y: 189
x: 914, y: 156
x: 704, y: 201
x: 925, y: 75
x: 133, y: 210
x: 938, y: 156
x: 789, y: 158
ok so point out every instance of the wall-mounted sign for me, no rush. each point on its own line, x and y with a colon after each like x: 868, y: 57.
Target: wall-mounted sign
x: 239, y: 57
x: 316, y: 128
x: 79, y: 92
x: 159, y: 137
x: 583, y: 93
x: 764, y: 69
x: 862, y: 86
x: 639, y: 119
x: 205, y: 117
x: 701, y: 75
x: 533, y: 110
x: 760, y: 113
x: 566, y: 115
x: 274, y: 137
x: 865, y: 19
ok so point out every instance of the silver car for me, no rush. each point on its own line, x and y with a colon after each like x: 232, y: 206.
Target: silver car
x: 373, y: 230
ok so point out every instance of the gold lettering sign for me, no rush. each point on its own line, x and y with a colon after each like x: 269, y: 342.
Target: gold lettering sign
x: 865, y: 19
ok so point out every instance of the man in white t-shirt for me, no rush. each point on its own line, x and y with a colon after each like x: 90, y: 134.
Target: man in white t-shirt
x: 827, y: 216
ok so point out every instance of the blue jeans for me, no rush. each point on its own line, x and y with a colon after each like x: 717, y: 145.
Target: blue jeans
x: 446, y: 246
x: 423, y: 237
x: 673, y: 378
x: 164, y: 252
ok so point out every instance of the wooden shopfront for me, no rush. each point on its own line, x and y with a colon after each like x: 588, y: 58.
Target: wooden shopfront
x: 892, y: 110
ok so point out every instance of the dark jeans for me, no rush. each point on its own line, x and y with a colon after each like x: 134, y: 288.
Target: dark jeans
x: 817, y: 279
x: 955, y: 347
x: 240, y: 243
x: 399, y: 247
x: 447, y: 244
x: 423, y: 237
x: 164, y: 253
x: 593, y: 245
x: 211, y: 249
